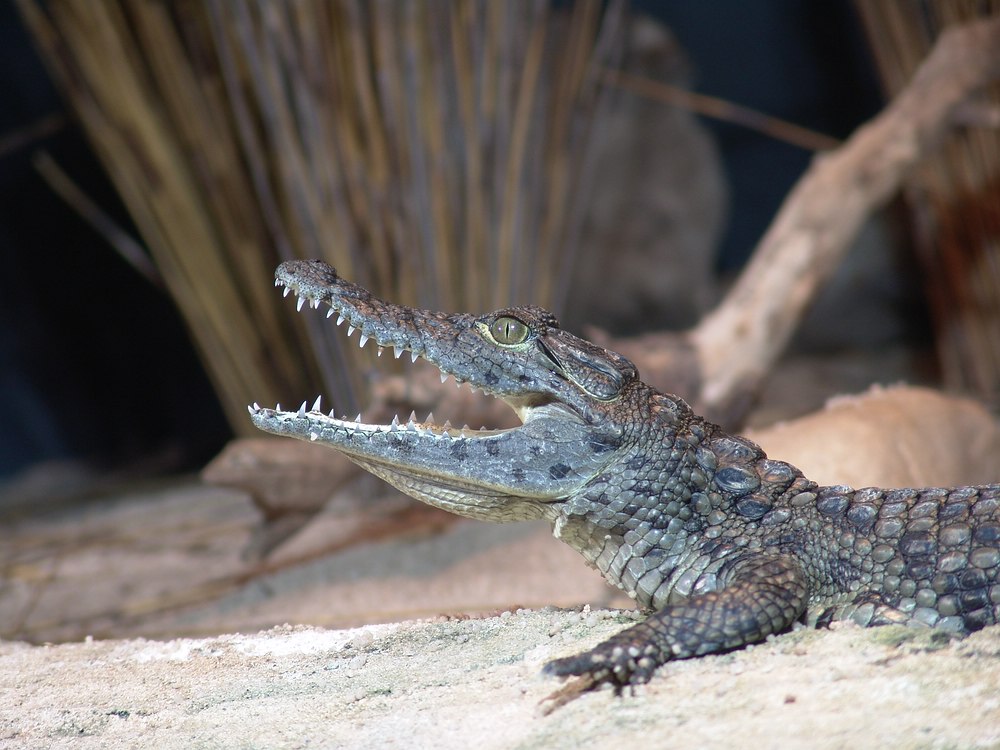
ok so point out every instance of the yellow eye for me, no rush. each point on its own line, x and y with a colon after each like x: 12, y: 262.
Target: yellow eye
x: 509, y: 331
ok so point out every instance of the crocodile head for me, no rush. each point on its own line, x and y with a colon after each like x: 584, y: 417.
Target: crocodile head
x: 566, y: 392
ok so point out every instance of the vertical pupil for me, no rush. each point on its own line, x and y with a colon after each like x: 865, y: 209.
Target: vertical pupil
x: 509, y: 331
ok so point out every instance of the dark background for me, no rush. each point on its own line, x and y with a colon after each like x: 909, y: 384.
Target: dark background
x: 95, y: 363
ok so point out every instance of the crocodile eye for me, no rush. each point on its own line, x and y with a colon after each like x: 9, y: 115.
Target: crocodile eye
x: 508, y: 331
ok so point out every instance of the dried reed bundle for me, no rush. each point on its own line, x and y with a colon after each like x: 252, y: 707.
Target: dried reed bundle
x: 435, y: 152
x: 954, y: 195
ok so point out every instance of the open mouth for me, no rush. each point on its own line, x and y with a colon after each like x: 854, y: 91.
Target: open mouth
x: 370, y: 330
x: 493, y: 474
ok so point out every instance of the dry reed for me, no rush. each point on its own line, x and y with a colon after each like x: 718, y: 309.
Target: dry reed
x: 435, y: 152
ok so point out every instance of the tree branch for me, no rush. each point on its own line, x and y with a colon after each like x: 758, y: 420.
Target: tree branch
x: 737, y: 343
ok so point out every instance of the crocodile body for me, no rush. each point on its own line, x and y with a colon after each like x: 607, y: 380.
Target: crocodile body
x: 721, y: 543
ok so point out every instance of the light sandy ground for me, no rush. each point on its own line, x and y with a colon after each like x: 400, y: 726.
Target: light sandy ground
x: 476, y: 683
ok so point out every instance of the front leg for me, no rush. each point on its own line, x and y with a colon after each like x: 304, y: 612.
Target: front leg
x: 760, y: 594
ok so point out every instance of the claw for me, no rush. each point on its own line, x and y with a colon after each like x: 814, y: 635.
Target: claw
x: 568, y: 693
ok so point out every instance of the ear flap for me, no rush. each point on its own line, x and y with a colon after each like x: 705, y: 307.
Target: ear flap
x: 600, y: 372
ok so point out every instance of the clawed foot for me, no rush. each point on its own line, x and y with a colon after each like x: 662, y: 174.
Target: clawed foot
x: 612, y: 664
x: 619, y: 665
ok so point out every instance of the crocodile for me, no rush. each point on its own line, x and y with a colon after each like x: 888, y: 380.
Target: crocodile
x: 723, y: 545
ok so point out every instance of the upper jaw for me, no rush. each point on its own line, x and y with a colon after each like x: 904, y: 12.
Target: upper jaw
x: 389, y: 325
x: 449, y: 342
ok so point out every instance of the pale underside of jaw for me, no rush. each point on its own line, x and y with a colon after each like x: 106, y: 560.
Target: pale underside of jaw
x: 320, y: 421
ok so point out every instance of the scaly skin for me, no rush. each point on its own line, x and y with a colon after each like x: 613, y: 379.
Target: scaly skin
x: 724, y: 545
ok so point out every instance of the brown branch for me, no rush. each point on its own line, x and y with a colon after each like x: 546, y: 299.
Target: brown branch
x: 720, y: 109
x: 737, y: 343
x: 39, y: 129
x: 121, y: 241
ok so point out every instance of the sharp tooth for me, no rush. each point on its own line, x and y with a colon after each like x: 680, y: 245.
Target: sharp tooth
x: 465, y: 428
x: 444, y: 377
x: 330, y: 312
x: 298, y: 305
x: 313, y: 436
x: 314, y: 303
x: 357, y: 419
x: 350, y: 330
x: 447, y: 425
x: 277, y: 407
x: 362, y: 341
x: 288, y: 290
x: 430, y: 418
x: 379, y: 352
x: 413, y: 416
x: 277, y: 282
x: 316, y: 405
x: 251, y: 410
x: 302, y: 410
x: 256, y: 406
x: 340, y: 318
x: 397, y: 351
x: 332, y: 415
x: 413, y: 356
x: 394, y: 425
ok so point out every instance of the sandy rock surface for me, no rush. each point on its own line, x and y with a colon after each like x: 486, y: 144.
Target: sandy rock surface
x: 476, y: 683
